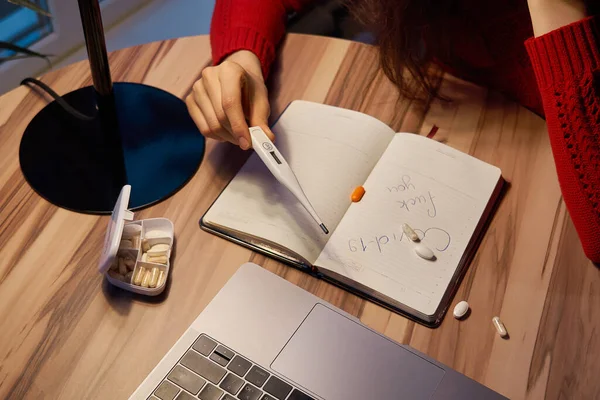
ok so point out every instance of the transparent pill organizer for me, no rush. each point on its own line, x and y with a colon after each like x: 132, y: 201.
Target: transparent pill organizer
x: 136, y: 254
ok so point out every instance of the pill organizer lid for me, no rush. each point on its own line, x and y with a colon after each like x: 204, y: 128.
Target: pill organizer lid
x: 112, y: 240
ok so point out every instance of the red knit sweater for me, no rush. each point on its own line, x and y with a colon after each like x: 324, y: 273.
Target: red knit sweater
x: 556, y: 75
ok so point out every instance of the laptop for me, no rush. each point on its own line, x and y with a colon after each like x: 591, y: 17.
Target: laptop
x: 263, y: 338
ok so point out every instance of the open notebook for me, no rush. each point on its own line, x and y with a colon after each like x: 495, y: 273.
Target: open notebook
x: 445, y: 195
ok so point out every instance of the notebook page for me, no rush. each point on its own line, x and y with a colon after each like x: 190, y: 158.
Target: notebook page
x: 331, y: 150
x: 440, y: 192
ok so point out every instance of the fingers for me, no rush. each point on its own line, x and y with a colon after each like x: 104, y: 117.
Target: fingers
x: 213, y: 128
x: 212, y: 86
x: 260, y: 109
x: 196, y: 114
x: 225, y: 100
x: 233, y: 84
x: 269, y: 133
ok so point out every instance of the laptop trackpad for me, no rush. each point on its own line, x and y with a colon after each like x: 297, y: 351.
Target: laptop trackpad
x: 338, y: 359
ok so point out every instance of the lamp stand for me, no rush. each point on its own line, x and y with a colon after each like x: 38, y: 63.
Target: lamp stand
x: 140, y: 135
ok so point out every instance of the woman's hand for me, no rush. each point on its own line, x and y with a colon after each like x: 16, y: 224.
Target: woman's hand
x: 548, y: 15
x: 228, y: 97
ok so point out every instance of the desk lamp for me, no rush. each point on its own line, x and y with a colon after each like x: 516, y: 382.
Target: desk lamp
x: 138, y: 135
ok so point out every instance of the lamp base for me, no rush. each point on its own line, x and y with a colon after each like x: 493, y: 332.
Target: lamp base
x: 144, y: 138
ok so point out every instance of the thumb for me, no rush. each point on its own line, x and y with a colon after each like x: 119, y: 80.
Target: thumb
x: 259, y: 114
x: 262, y: 122
x: 268, y: 131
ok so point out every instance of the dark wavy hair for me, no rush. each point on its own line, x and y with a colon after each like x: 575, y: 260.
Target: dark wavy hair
x: 409, y: 33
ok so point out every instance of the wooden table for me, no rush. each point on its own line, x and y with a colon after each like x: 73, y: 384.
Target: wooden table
x: 66, y: 334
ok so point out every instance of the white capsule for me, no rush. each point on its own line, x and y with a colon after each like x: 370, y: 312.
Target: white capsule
x: 115, y: 275
x: 122, y: 266
x: 424, y: 252
x: 146, y: 279
x: 500, y: 327
x: 161, y: 278
x: 130, y: 263
x: 135, y: 241
x: 410, y: 233
x: 138, y: 276
x: 154, y: 277
x: 126, y: 243
x: 460, y: 310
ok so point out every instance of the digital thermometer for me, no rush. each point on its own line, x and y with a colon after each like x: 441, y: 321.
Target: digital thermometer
x: 273, y: 159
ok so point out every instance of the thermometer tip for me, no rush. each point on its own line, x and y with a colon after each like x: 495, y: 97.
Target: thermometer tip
x: 324, y: 229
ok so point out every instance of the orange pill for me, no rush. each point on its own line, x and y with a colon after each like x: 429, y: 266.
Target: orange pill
x: 357, y: 194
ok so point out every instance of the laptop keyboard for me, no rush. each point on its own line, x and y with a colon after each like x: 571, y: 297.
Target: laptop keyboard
x: 211, y: 371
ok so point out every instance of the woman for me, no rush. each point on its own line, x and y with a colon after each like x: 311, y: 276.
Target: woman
x: 545, y: 54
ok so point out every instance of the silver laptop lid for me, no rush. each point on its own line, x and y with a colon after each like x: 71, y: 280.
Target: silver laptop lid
x: 313, y: 346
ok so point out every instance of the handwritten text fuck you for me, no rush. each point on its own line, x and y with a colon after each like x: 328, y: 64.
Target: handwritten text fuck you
x: 413, y: 199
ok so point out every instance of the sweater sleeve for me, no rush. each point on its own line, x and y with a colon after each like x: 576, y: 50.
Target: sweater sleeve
x: 254, y: 25
x: 567, y: 68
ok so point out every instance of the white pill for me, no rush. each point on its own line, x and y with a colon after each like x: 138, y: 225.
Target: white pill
x: 500, y: 327
x: 460, y: 310
x: 115, y: 275
x: 158, y: 250
x: 156, y: 233
x: 131, y: 230
x: 424, y: 252
x: 410, y: 233
x: 122, y: 266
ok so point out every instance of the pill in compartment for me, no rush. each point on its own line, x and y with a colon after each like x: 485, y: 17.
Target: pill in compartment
x: 124, y: 262
x: 131, y: 230
x: 156, y: 250
x: 122, y: 266
x: 129, y: 263
x: 146, y: 267
x: 154, y: 277
x: 150, y: 276
x: 156, y: 233
x: 116, y: 275
x: 146, y: 278
x: 138, y: 275
x: 162, y: 244
x: 162, y: 277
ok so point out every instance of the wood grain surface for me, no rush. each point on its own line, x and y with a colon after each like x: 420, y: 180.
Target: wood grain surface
x: 67, y: 334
